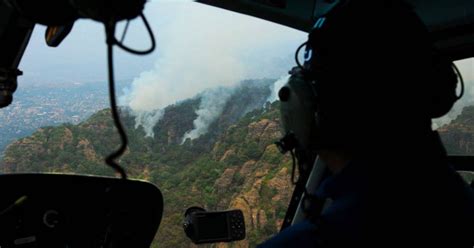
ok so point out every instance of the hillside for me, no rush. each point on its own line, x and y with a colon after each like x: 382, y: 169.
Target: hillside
x: 458, y: 136
x: 234, y: 165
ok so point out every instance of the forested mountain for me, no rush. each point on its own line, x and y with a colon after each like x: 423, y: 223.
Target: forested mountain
x: 233, y: 165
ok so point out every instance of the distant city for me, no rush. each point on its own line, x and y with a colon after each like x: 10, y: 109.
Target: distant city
x: 50, y: 105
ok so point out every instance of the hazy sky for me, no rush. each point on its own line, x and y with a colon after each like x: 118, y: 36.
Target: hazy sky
x: 81, y: 57
x: 198, y: 47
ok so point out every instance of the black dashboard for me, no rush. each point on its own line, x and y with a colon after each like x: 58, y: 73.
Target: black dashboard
x: 48, y: 210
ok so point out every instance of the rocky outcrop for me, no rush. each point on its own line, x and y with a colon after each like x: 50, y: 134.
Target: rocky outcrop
x: 458, y: 136
x: 281, y: 183
x: 228, y: 154
x: 238, y: 168
x: 67, y: 138
x: 225, y: 180
x: 88, y: 150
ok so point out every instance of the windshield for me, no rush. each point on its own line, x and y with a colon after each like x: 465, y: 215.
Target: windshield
x: 456, y: 128
x: 201, y: 113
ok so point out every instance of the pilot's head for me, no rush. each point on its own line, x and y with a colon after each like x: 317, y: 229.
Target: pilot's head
x: 376, y: 80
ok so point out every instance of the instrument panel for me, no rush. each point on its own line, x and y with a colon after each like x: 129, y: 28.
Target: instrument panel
x: 41, y: 210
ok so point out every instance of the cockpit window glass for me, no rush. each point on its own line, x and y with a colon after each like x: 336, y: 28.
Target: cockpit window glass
x: 457, y: 127
x: 200, y: 112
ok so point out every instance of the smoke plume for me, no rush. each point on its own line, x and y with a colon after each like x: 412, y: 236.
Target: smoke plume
x: 201, y: 48
x: 212, y: 104
x: 147, y: 120
x: 275, y: 88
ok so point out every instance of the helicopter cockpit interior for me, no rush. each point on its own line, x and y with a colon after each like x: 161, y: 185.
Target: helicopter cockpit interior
x: 63, y: 210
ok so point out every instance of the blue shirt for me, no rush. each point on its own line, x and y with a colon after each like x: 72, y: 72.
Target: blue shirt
x: 354, y: 203
x: 341, y: 217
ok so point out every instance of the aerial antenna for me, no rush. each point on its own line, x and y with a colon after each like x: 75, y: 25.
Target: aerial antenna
x: 110, y: 26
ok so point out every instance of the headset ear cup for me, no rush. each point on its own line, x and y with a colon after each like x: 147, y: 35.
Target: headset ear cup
x: 444, y: 84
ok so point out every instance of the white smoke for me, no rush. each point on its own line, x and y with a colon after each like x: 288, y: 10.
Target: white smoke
x: 201, y: 47
x: 212, y: 104
x: 466, y: 67
x: 275, y: 88
x: 148, y: 119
